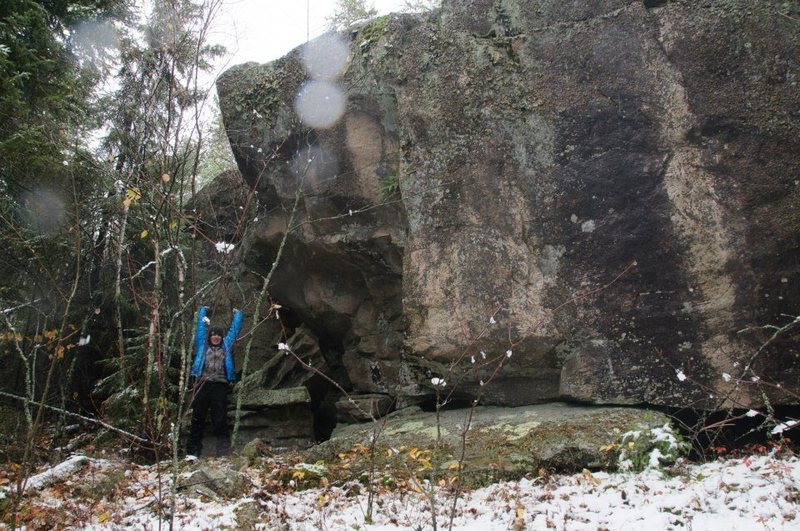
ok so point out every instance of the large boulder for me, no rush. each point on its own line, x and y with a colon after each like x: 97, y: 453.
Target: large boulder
x: 586, y: 200
x: 499, y: 442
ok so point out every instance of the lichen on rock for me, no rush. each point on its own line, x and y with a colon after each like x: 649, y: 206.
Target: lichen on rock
x: 612, y: 183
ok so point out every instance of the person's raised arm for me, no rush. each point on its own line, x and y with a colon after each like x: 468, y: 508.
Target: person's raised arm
x: 236, y: 326
x: 202, y: 328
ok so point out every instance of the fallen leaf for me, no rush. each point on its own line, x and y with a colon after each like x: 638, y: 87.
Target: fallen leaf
x: 588, y: 475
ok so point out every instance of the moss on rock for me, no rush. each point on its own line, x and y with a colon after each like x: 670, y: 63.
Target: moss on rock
x: 503, y: 443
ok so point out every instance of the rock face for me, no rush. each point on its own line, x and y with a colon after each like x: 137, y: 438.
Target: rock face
x: 581, y: 200
x: 279, y: 417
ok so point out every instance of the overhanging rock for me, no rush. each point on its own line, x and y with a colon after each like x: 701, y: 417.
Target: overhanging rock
x: 598, y: 197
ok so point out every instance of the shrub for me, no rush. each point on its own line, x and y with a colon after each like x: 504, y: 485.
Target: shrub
x: 649, y: 449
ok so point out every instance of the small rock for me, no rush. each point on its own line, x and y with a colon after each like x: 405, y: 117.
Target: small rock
x: 212, y: 482
x: 255, y: 448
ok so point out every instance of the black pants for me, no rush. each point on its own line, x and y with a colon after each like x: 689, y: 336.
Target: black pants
x: 210, y: 396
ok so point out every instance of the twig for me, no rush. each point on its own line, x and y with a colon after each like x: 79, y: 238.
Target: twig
x: 81, y: 417
x: 15, y: 308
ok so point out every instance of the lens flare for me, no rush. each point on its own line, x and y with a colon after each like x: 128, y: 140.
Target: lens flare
x: 91, y: 36
x: 326, y: 58
x: 319, y: 104
x: 315, y: 167
x: 43, y: 211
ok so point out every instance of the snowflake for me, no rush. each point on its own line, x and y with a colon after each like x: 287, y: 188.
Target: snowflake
x: 782, y: 427
x: 224, y: 247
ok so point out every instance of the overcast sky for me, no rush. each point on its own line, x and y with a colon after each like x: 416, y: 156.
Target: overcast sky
x: 264, y: 30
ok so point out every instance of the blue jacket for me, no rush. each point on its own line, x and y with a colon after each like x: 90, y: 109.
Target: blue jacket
x: 201, y: 344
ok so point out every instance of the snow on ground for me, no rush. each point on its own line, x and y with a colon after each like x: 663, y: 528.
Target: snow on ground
x: 60, y: 471
x: 756, y: 492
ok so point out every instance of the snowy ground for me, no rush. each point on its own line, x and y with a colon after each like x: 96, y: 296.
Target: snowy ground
x: 756, y: 492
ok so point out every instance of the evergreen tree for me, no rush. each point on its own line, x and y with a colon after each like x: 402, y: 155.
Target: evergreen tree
x: 421, y: 5
x: 45, y: 86
x: 216, y: 156
x: 95, y: 231
x: 156, y: 140
x: 50, y: 186
x: 350, y: 11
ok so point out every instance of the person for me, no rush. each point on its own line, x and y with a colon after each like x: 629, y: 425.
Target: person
x: 212, y: 371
